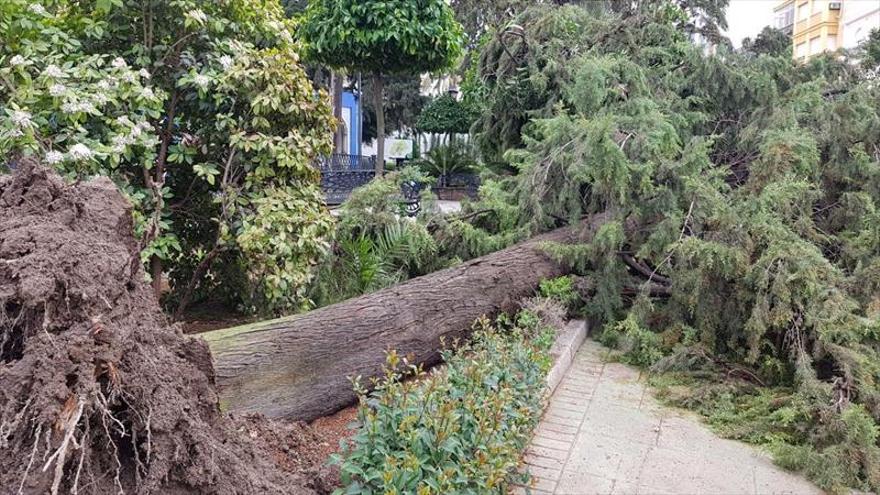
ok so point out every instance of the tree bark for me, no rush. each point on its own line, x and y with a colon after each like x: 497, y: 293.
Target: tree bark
x: 379, y: 103
x: 336, y: 78
x: 299, y: 367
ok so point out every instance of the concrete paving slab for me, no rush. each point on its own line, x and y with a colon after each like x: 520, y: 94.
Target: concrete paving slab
x: 604, y: 433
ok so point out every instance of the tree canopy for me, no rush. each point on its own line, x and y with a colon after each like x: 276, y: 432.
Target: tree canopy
x: 382, y: 36
x: 770, y: 41
x: 446, y: 115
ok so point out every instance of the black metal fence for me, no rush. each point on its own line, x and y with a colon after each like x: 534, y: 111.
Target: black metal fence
x: 345, y: 163
x: 466, y: 180
x: 341, y: 174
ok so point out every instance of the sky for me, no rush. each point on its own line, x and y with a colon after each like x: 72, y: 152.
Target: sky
x: 746, y: 18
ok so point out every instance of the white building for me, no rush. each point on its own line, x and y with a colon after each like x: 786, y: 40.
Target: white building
x: 857, y: 19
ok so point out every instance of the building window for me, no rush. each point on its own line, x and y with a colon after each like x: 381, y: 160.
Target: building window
x: 801, y: 50
x: 785, y: 18
x: 815, y: 45
x: 803, y: 11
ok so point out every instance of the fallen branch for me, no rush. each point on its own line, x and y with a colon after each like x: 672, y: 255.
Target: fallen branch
x: 644, y: 270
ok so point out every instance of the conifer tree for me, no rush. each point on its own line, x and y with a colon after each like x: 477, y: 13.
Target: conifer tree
x: 742, y: 195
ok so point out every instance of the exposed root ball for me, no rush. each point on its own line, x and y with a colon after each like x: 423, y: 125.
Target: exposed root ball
x: 98, y: 394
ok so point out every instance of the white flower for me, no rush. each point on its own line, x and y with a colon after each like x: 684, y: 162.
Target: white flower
x: 147, y: 93
x: 136, y: 132
x: 103, y: 84
x: 226, y: 61
x: 197, y: 15
x: 129, y: 77
x: 77, y: 106
x: 144, y: 73
x: 57, y: 89
x: 118, y: 63
x: 53, y: 71
x: 54, y: 157
x: 80, y: 152
x: 101, y: 98
x: 21, y: 118
x: 201, y: 81
x: 121, y: 140
x: 17, y: 60
x: 37, y: 8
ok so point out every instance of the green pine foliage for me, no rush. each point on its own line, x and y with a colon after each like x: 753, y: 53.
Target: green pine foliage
x: 741, y: 192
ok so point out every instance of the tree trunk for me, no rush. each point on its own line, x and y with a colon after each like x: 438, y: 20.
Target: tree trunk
x: 379, y: 103
x: 336, y: 78
x: 299, y: 367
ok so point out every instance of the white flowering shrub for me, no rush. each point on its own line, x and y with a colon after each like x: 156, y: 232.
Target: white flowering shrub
x: 200, y: 111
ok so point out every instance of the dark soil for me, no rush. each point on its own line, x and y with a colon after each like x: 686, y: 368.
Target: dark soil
x: 98, y: 393
x: 212, y: 315
x: 301, y: 448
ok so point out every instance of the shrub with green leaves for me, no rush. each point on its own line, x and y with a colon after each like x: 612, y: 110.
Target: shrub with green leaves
x: 203, y: 115
x: 458, y: 429
x: 561, y: 289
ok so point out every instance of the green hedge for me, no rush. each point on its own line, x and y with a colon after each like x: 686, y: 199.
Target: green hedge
x: 459, y: 429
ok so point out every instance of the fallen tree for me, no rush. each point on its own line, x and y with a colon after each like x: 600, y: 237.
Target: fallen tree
x: 299, y: 367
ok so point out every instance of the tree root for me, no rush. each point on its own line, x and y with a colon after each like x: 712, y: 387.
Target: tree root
x: 60, y: 455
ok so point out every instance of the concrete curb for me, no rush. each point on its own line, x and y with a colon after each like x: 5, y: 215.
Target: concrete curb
x: 568, y: 341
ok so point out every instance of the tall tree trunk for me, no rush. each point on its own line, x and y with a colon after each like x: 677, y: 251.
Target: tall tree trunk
x: 379, y: 103
x: 336, y: 78
x: 299, y: 367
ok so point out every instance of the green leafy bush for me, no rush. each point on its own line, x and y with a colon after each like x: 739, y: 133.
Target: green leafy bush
x: 561, y: 289
x: 203, y: 115
x: 458, y: 429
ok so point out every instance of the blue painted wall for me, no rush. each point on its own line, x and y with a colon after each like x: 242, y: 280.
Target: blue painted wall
x: 352, y: 102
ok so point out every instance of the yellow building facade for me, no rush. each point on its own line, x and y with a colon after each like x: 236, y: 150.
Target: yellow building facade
x: 817, y: 26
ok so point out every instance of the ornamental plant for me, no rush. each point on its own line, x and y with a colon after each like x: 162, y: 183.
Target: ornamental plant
x: 376, y: 244
x: 460, y: 429
x: 203, y: 115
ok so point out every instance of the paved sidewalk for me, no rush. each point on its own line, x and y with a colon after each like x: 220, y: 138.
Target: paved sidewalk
x: 603, y: 433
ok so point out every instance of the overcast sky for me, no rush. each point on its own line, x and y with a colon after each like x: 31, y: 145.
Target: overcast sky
x: 746, y: 18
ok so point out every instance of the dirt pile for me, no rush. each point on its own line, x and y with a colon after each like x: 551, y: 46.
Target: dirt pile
x: 98, y: 394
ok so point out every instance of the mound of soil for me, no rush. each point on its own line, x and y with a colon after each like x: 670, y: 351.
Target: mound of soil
x: 98, y: 394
